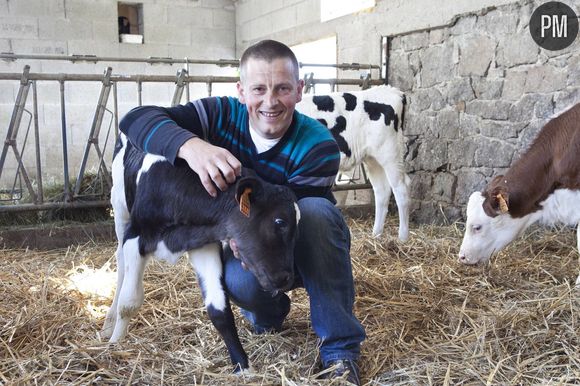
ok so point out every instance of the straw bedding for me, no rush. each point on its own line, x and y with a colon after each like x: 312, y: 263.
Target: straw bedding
x: 429, y: 320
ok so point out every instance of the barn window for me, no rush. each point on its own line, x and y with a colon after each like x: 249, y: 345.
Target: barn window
x: 321, y: 51
x: 130, y: 17
x: 331, y: 9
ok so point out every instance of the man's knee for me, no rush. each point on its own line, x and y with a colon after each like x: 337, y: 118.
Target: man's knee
x: 242, y: 286
x: 318, y: 211
x: 321, y: 221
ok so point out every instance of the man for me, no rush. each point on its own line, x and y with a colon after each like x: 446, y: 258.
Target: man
x: 261, y: 130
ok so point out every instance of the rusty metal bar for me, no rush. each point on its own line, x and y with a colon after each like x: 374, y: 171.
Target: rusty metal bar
x: 179, y: 85
x: 95, y: 59
x: 93, y: 140
x: 40, y: 195
x: 66, y: 190
x: 169, y: 60
x: 338, y: 188
x: 116, y: 109
x: 12, y: 134
x: 171, y: 79
x: 54, y: 205
x: 16, y: 117
x: 209, y: 86
x: 139, y: 93
x: 187, y: 93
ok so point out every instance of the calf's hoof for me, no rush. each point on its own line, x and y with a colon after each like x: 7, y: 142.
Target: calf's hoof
x: 105, y: 334
x: 240, y: 371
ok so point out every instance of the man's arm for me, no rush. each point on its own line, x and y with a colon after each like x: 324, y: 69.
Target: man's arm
x: 177, y: 132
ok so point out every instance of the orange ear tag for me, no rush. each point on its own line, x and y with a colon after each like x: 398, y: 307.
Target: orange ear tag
x: 245, y: 202
x: 503, y: 206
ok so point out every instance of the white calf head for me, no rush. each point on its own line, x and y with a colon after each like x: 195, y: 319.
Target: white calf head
x: 485, y: 234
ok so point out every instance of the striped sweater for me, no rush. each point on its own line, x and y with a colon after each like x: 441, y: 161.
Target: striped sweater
x: 305, y: 159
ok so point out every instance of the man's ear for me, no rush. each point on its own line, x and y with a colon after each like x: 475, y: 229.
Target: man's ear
x: 299, y: 89
x: 241, y: 94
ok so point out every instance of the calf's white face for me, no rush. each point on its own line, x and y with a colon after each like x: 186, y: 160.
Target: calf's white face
x: 484, y: 234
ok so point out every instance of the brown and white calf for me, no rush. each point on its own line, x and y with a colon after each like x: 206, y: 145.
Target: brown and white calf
x: 367, y: 125
x: 163, y: 211
x: 542, y: 186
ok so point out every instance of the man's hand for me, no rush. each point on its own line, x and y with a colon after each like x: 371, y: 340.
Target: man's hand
x: 214, y: 165
x: 236, y: 252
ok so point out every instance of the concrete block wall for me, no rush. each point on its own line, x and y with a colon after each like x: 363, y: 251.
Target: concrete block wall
x: 196, y: 29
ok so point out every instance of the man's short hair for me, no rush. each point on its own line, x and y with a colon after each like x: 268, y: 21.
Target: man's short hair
x: 269, y: 50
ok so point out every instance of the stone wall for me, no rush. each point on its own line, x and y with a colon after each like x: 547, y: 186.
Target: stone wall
x: 478, y: 92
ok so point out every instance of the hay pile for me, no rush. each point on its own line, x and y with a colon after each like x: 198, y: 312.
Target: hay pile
x: 429, y: 320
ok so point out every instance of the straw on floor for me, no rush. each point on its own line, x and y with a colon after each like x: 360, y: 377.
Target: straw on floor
x: 429, y: 320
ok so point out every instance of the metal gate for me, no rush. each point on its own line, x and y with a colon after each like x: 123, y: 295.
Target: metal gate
x: 25, y: 190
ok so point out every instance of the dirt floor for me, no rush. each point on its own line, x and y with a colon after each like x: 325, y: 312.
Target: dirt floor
x: 429, y: 319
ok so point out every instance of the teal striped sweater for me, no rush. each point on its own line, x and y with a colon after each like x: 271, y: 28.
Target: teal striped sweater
x: 306, y: 159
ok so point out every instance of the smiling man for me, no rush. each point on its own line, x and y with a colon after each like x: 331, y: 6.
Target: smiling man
x: 270, y: 92
x: 261, y: 130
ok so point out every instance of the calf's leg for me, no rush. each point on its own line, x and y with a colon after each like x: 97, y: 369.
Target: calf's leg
x: 206, y: 262
x: 111, y: 317
x: 130, y: 295
x: 382, y: 192
x: 399, y: 182
x: 121, y: 220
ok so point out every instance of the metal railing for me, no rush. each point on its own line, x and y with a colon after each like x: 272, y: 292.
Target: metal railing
x: 26, y: 192
x: 9, y: 56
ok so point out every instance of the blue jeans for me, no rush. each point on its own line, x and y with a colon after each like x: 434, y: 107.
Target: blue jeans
x: 322, y: 266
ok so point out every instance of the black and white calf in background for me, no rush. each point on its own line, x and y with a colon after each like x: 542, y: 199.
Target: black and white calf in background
x: 163, y: 211
x: 367, y: 125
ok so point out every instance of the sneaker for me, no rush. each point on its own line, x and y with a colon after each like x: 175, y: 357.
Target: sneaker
x: 342, y: 368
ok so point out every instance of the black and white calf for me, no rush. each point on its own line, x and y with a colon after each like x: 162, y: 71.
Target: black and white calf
x: 367, y: 125
x: 163, y: 211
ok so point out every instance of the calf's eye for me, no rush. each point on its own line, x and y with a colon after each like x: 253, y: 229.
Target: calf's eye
x: 476, y: 228
x: 280, y: 223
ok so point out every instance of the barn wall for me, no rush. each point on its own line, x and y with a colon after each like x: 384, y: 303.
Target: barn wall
x: 196, y: 29
x: 478, y: 87
x: 358, y: 35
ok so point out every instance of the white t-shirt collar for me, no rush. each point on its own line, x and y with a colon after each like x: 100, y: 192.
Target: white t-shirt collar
x: 262, y: 144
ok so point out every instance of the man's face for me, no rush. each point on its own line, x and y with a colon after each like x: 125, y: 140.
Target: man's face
x: 270, y: 91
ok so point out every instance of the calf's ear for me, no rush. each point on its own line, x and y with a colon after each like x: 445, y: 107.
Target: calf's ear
x: 497, y: 202
x: 251, y: 186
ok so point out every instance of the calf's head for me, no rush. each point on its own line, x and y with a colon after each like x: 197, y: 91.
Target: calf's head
x: 264, y: 231
x: 489, y: 226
